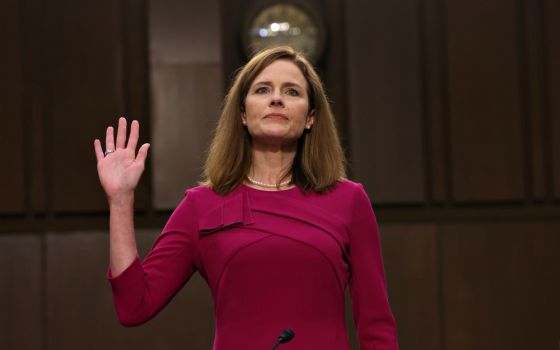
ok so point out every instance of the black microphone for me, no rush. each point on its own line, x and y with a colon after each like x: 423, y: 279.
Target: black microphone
x: 285, y: 337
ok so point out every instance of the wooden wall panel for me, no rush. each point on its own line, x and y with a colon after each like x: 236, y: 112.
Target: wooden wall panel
x: 80, y: 308
x: 543, y: 306
x: 186, y: 92
x: 135, y: 76
x: 21, y: 302
x: 412, y: 270
x: 186, y: 100
x: 35, y: 139
x: 499, y: 285
x: 552, y: 35
x: 485, y: 125
x: 11, y: 114
x: 533, y: 91
x: 179, y: 31
x: 384, y: 99
x: 333, y: 69
x: 434, y: 92
x: 33, y: 61
x: 85, y: 94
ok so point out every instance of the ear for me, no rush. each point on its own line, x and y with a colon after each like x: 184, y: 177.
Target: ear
x: 243, y: 116
x: 310, y: 119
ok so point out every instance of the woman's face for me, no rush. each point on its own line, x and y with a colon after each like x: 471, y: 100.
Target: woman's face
x: 276, y: 105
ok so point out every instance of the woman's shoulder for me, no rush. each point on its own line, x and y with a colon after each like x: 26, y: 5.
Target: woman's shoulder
x: 202, y: 193
x: 200, y: 190
x: 344, y: 191
x: 350, y: 192
x: 349, y: 184
x: 348, y: 187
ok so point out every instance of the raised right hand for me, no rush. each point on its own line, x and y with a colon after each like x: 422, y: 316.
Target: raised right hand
x: 120, y: 168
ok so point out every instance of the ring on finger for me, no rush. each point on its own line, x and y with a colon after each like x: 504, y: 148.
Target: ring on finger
x: 109, y: 151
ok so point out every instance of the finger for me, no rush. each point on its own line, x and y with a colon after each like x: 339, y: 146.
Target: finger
x: 133, y: 137
x: 121, y: 133
x: 143, y: 153
x: 98, y: 151
x: 110, y: 139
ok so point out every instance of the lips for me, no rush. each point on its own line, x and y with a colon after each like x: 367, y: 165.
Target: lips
x: 276, y: 116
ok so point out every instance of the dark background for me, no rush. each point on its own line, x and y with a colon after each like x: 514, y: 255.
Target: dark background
x: 449, y: 111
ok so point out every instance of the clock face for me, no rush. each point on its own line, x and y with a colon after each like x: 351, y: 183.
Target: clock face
x: 285, y: 24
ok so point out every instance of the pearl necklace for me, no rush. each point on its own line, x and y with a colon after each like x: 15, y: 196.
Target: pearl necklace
x: 262, y: 184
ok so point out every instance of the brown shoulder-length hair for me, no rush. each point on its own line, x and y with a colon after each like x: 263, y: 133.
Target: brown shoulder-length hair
x: 319, y: 161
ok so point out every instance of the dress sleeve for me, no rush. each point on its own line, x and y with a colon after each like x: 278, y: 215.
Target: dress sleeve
x: 144, y: 288
x: 375, y: 325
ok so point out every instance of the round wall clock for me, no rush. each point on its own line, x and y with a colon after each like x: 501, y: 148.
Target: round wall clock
x: 285, y: 24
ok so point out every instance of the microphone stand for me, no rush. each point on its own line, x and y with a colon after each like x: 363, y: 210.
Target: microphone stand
x: 275, y: 344
x: 285, y: 337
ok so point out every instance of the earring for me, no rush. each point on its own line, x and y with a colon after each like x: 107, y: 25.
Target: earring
x: 244, y: 122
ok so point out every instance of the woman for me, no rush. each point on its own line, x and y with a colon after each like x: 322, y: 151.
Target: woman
x: 276, y: 230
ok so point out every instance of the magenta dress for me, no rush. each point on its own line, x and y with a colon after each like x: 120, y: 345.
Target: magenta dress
x: 273, y: 260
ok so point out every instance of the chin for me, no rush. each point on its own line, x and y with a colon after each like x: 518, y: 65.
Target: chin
x: 276, y: 138
x: 276, y: 133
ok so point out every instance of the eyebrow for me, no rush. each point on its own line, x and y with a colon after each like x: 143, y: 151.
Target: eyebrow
x: 269, y: 83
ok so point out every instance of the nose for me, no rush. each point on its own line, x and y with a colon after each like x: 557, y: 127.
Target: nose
x: 276, y: 99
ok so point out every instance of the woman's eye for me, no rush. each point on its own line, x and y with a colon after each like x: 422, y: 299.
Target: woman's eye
x: 261, y: 90
x: 293, y: 92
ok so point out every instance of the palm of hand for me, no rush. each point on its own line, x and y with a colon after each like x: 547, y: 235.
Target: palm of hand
x: 120, y: 170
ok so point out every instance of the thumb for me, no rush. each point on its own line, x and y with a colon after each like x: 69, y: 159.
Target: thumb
x: 143, y: 153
